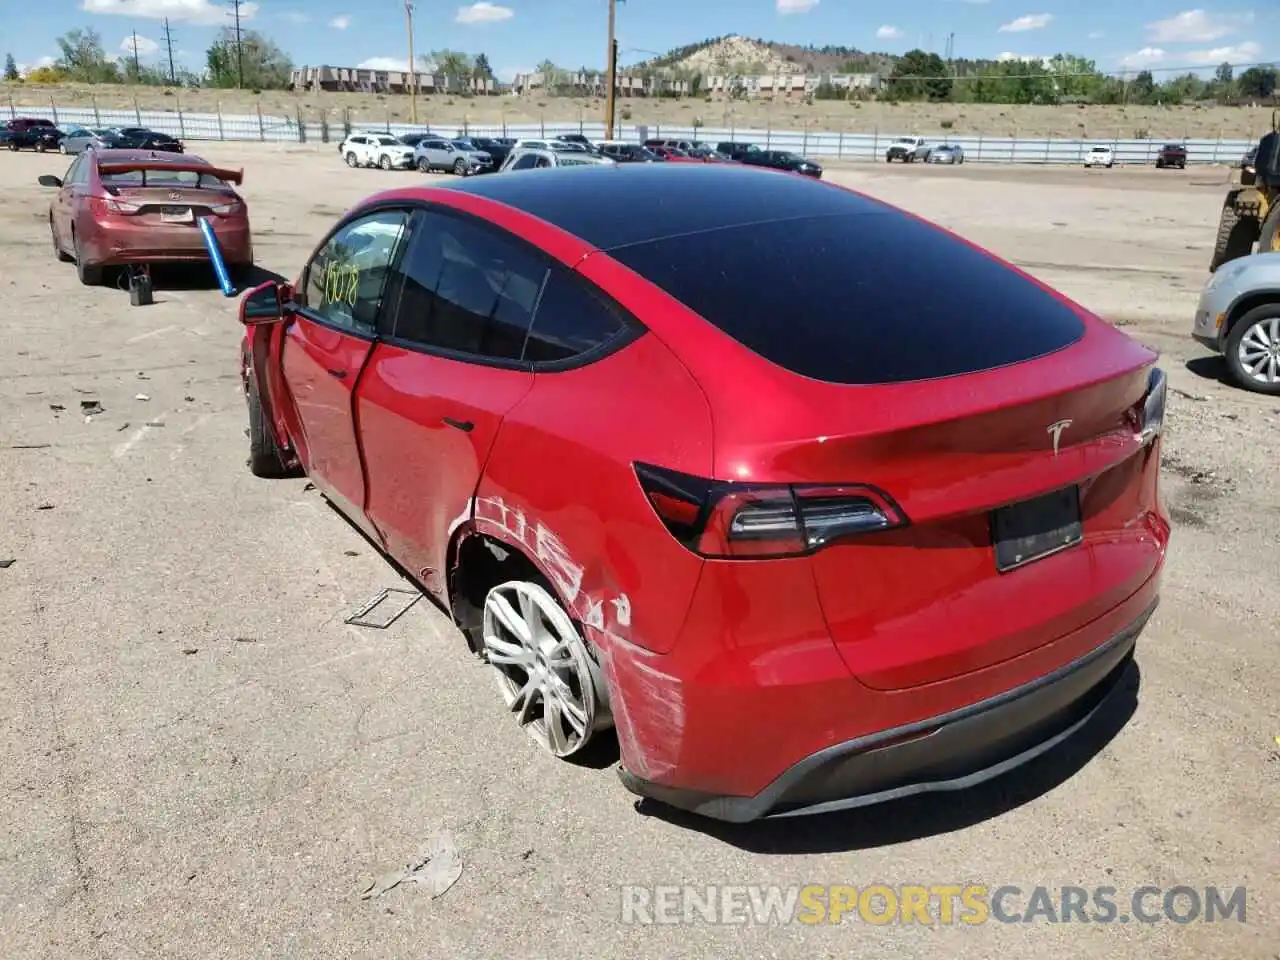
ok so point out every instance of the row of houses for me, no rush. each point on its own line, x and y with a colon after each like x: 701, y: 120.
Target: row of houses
x: 581, y: 83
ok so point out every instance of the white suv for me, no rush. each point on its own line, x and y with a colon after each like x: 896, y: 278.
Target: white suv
x: 376, y: 150
x: 1099, y: 157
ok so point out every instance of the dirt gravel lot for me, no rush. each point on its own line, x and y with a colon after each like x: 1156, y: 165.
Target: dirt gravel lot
x: 202, y: 760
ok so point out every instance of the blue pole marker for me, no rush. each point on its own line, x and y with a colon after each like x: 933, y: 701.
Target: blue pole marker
x: 215, y: 256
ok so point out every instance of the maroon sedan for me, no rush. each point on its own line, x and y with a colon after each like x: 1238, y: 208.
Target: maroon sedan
x: 116, y: 208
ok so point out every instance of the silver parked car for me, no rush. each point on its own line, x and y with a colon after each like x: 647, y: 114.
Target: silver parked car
x: 946, y: 153
x: 461, y: 156
x: 1239, y: 317
x: 79, y: 139
x: 538, y: 158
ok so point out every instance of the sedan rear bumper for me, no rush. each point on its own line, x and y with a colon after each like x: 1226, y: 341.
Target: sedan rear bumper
x: 118, y: 242
x: 952, y: 751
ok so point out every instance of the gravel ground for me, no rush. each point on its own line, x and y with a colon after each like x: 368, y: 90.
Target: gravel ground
x: 202, y: 760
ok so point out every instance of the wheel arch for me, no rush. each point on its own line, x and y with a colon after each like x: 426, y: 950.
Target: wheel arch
x: 1246, y: 303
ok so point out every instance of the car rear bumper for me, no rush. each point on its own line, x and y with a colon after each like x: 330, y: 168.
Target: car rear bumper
x: 117, y: 243
x: 954, y: 750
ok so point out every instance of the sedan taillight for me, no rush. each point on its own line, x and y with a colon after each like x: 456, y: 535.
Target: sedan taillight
x: 228, y: 209
x: 103, y: 206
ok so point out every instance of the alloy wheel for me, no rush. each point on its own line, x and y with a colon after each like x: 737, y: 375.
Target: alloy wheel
x: 1259, y: 351
x: 544, y: 672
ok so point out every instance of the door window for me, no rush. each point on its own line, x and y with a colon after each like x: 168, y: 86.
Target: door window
x: 466, y: 288
x: 526, y: 162
x: 75, y: 172
x: 571, y: 320
x: 345, y: 282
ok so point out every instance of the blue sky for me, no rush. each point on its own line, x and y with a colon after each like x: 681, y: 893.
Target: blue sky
x: 516, y: 34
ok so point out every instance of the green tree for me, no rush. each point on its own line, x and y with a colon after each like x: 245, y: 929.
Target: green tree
x: 1142, y: 89
x: 83, y: 58
x: 10, y: 67
x: 481, y: 69
x: 454, y: 66
x: 1257, y: 83
x: 1076, y: 78
x: 919, y: 76
x: 265, y: 65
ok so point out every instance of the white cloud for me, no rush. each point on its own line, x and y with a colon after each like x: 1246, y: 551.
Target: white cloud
x: 1247, y: 52
x: 295, y: 16
x: 203, y: 12
x: 888, y: 32
x: 1096, y: 35
x: 1196, y: 26
x: 787, y: 7
x: 341, y: 22
x: 384, y: 63
x: 145, y: 45
x: 1032, y: 21
x: 483, y: 12
x: 1142, y: 58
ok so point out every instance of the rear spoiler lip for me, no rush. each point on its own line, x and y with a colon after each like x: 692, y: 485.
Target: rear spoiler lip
x: 127, y: 166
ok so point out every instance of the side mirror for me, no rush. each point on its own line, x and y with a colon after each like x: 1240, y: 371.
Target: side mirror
x: 49, y: 180
x: 264, y: 303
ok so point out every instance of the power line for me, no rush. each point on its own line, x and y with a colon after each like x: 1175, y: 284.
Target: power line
x: 235, y: 12
x: 168, y: 42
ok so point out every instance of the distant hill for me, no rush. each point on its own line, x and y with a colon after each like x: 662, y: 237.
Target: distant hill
x: 735, y: 54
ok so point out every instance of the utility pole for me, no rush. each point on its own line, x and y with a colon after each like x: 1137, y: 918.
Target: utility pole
x: 137, y: 70
x: 168, y: 42
x: 235, y: 12
x: 611, y: 73
x: 413, y: 67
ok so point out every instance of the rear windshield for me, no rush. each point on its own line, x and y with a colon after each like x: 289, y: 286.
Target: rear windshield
x: 160, y: 178
x: 858, y: 298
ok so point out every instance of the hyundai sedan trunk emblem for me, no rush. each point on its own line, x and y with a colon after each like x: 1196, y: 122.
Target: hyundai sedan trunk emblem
x: 1055, y: 430
x: 175, y: 196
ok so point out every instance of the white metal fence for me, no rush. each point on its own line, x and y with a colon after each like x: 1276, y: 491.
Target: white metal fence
x: 837, y: 146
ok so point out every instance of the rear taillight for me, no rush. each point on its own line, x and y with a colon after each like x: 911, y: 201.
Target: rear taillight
x: 742, y: 521
x: 112, y: 205
x: 1148, y: 414
x: 228, y: 209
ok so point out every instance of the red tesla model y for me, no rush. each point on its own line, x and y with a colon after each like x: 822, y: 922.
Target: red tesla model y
x: 811, y: 522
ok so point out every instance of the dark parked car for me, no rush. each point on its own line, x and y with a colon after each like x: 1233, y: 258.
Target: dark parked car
x: 140, y: 138
x: 629, y: 153
x: 734, y: 149
x: 33, y: 133
x: 497, y: 147
x: 1172, y: 155
x: 782, y: 160
x: 580, y: 140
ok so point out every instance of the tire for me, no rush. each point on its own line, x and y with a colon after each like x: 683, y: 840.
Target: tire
x: 264, y: 456
x: 13, y: 146
x: 1257, y: 335
x: 58, y: 252
x: 352, y: 160
x: 1269, y: 232
x: 530, y: 676
x: 90, y: 275
x: 384, y: 162
x: 41, y: 146
x: 460, y: 167
x: 1237, y: 233
x: 423, y: 165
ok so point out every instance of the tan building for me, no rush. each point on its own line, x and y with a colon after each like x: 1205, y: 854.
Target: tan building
x: 382, y: 81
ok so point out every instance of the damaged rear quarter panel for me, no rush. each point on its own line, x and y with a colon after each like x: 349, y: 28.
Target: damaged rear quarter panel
x: 561, y: 485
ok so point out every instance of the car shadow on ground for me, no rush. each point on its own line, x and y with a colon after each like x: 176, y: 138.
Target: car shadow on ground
x: 924, y: 815
x: 197, y: 276
x: 1212, y: 367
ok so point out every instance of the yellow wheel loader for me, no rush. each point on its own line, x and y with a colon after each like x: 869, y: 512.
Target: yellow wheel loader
x: 1251, y: 210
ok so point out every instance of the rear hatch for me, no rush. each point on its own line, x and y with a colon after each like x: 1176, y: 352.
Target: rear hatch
x: 170, y: 193
x: 965, y: 450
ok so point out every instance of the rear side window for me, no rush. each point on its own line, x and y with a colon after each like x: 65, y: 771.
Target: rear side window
x: 467, y: 289
x: 859, y: 299
x: 570, y: 321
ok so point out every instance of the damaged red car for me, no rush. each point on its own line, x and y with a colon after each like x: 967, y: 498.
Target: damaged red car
x: 121, y: 208
x: 810, y: 525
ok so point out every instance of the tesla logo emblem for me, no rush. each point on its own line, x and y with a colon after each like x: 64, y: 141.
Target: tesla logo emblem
x: 175, y: 196
x: 1055, y: 430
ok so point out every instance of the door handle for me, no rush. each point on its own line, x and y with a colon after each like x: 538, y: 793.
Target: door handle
x: 466, y: 426
x: 340, y: 374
